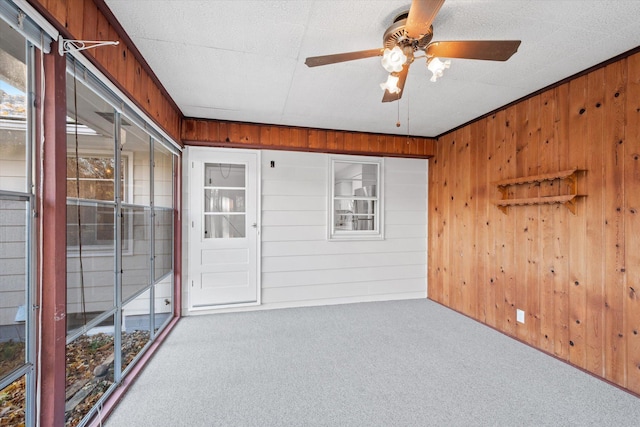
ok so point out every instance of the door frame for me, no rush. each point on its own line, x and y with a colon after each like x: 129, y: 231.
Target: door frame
x: 194, y: 153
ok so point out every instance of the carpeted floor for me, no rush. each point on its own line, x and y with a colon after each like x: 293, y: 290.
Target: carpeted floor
x: 397, y: 363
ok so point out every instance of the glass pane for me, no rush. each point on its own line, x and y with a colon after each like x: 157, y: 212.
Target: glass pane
x: 136, y: 324
x: 90, y: 145
x: 224, y: 175
x: 136, y: 258
x: 13, y: 284
x: 355, y: 179
x: 355, y: 214
x: 163, y: 302
x: 136, y: 149
x: 90, y: 277
x: 224, y: 226
x: 13, y: 110
x: 223, y: 200
x: 95, y: 229
x: 162, y: 176
x: 89, y: 371
x: 13, y: 403
x: 163, y: 234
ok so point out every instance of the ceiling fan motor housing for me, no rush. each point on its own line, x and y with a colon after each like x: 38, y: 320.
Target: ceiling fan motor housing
x: 396, y: 35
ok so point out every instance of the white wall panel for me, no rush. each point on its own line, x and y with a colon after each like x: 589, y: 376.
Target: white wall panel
x: 323, y: 247
x: 342, y: 275
x: 301, y: 267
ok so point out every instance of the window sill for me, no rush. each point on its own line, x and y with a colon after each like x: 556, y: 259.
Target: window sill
x: 355, y: 236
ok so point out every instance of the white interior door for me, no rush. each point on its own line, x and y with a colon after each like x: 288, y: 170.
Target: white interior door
x: 224, y: 232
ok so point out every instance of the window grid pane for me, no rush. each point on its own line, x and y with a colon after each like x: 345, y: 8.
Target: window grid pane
x: 355, y: 195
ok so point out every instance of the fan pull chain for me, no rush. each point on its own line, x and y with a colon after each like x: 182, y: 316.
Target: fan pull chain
x: 398, y: 122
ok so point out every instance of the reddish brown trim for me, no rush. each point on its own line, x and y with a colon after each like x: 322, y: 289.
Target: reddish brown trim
x: 546, y: 88
x: 110, y: 404
x: 54, y: 239
x: 189, y: 120
x: 304, y: 149
x: 541, y: 350
x: 220, y: 133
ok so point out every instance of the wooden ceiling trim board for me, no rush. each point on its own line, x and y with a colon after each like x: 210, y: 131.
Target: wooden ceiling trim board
x: 205, y: 132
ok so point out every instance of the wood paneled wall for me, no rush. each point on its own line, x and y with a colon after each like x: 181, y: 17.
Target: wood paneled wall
x: 85, y: 20
x: 248, y: 135
x: 577, y: 277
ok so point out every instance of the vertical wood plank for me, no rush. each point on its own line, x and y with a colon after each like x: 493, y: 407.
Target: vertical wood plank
x: 632, y: 223
x: 549, y: 229
x: 482, y: 137
x: 561, y: 317
x: 102, y: 34
x: 578, y: 121
x: 614, y: 246
x: 265, y: 135
x: 521, y: 219
x: 90, y: 24
x: 220, y: 131
x: 455, y: 241
x: 446, y: 205
x: 532, y: 270
x: 466, y: 233
x: 496, y: 170
x: 434, y: 262
x: 508, y: 242
x: 595, y: 220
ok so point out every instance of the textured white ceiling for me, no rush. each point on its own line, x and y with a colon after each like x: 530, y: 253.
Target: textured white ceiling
x: 244, y: 60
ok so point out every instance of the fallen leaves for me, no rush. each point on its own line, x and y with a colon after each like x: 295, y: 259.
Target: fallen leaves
x: 89, y: 374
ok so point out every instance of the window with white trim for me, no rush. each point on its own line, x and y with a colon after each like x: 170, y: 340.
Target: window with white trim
x: 356, y: 203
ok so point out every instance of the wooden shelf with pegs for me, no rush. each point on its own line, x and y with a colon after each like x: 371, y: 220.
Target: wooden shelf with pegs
x: 569, y: 200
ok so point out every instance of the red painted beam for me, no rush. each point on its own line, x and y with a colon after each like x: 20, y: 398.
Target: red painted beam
x: 53, y: 274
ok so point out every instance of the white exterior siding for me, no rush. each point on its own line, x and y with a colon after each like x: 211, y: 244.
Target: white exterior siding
x: 301, y: 267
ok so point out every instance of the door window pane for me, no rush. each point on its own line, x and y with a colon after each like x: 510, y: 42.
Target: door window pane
x: 224, y: 175
x: 224, y: 192
x: 224, y: 226
x: 217, y: 200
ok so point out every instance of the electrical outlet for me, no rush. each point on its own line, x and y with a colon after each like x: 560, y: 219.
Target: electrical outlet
x: 520, y: 315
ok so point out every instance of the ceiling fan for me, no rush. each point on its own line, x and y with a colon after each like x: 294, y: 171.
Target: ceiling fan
x: 411, y: 32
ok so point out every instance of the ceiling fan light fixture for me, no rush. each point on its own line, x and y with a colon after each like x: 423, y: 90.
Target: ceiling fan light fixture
x: 393, y: 59
x: 437, y: 67
x: 391, y: 84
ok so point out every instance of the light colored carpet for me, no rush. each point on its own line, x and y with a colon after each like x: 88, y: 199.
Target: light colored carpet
x: 397, y: 363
